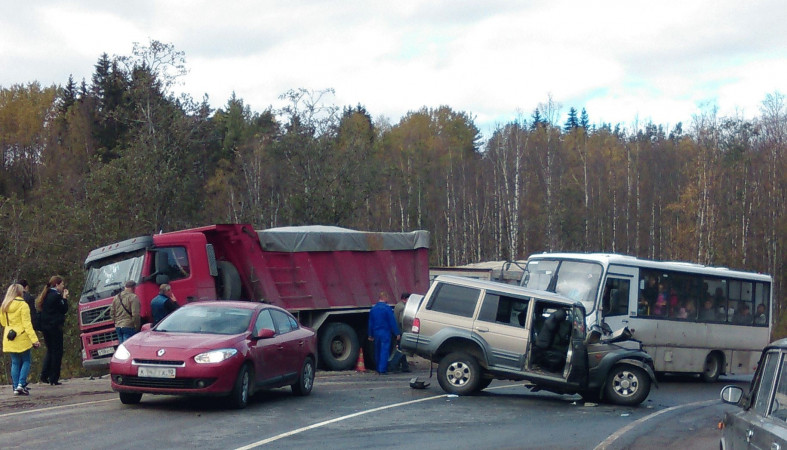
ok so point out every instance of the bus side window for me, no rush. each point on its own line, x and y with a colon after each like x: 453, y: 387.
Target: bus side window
x: 616, y: 297
x: 761, y: 296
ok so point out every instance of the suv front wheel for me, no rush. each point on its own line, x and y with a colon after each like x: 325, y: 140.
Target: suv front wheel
x: 459, y: 373
x: 627, y: 385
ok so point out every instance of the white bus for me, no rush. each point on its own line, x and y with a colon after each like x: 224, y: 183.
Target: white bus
x: 691, y: 318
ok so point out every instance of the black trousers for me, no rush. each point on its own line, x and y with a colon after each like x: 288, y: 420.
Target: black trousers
x: 50, y: 369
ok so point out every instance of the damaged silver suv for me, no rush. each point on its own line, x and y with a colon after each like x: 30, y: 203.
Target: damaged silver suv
x: 478, y: 331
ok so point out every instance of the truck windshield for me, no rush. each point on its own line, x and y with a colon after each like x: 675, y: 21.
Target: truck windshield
x: 105, y: 277
x: 576, y: 280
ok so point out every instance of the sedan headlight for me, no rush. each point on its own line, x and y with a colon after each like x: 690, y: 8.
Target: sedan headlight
x: 215, y: 356
x: 122, y: 353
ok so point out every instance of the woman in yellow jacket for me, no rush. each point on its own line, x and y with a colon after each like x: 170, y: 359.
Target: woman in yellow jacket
x: 15, y: 315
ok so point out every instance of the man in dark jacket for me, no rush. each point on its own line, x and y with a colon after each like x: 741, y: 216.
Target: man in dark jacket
x: 164, y: 303
x: 382, y: 325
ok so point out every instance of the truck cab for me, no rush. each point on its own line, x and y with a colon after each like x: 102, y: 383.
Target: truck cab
x: 180, y: 260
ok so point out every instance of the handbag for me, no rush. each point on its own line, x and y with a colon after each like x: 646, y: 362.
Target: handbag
x: 11, y: 332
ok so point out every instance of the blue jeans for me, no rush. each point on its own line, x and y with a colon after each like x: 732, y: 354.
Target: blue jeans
x: 20, y: 368
x: 124, y: 333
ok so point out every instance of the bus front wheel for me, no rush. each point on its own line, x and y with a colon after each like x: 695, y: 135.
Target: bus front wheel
x: 712, y: 368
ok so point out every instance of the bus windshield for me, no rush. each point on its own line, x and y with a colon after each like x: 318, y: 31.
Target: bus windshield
x: 105, y: 277
x: 576, y: 280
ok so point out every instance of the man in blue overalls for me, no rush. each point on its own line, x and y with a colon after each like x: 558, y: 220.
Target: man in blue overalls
x: 382, y: 325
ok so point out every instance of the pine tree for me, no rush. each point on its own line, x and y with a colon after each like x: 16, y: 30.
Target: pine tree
x: 68, y: 95
x: 571, y: 122
x: 584, y: 120
x: 537, y: 119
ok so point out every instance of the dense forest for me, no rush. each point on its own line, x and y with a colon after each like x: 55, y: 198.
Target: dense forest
x: 120, y: 155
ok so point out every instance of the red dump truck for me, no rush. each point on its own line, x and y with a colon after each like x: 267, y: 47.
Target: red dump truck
x: 328, y: 277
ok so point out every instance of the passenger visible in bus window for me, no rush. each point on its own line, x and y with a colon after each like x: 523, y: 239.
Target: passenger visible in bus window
x: 681, y: 312
x: 660, y: 307
x: 732, y: 307
x: 643, y: 307
x: 760, y: 318
x: 651, y: 290
x: 719, y: 298
x: 707, y: 313
x: 689, y: 309
x: 673, y: 303
x: 743, y: 315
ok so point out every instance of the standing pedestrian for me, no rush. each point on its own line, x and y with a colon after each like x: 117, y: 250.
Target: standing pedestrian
x: 31, y: 303
x: 125, y: 312
x: 164, y: 303
x: 398, y: 359
x: 18, y: 336
x: 53, y: 304
x: 382, y: 325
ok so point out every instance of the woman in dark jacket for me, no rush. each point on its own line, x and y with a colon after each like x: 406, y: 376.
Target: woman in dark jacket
x: 53, y: 304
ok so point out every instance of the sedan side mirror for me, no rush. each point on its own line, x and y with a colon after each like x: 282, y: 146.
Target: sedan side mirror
x: 266, y: 333
x: 731, y: 394
x: 146, y: 326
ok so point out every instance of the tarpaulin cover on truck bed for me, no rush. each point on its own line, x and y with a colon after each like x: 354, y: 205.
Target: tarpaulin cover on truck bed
x: 319, y: 238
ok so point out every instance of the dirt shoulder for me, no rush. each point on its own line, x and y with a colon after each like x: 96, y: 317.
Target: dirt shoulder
x: 42, y: 395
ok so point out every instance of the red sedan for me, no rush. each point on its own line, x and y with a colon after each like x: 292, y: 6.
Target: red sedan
x: 219, y: 348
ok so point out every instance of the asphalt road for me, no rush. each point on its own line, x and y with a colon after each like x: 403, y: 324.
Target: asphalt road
x: 363, y: 410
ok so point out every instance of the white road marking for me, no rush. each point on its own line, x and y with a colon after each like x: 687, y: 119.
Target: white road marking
x: 51, y: 408
x: 614, y: 436
x: 350, y: 416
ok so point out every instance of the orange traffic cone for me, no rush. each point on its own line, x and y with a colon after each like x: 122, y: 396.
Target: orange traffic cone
x: 360, y: 366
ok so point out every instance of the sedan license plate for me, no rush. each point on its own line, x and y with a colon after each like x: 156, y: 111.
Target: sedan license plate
x: 156, y: 372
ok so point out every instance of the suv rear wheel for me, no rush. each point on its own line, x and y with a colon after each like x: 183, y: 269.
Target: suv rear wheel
x: 459, y: 373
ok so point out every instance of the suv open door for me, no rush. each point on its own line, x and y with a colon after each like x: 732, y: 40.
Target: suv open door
x: 577, y: 367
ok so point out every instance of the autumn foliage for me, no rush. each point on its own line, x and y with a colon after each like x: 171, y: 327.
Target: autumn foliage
x: 90, y: 163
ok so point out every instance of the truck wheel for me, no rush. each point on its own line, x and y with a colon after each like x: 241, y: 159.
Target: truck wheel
x: 627, y: 385
x: 239, y: 397
x: 130, y: 398
x: 339, y: 346
x: 459, y: 373
x: 712, y: 368
x: 228, y: 285
x: 306, y: 379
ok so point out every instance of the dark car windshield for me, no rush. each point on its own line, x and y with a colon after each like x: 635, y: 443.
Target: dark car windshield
x: 207, y: 319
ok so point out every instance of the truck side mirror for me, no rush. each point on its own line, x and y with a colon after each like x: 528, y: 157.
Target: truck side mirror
x: 161, y: 279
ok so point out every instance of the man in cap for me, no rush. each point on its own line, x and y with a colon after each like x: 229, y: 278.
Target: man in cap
x: 125, y: 312
x: 382, y: 325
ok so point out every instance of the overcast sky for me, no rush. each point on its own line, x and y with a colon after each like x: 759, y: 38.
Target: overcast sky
x: 660, y: 61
